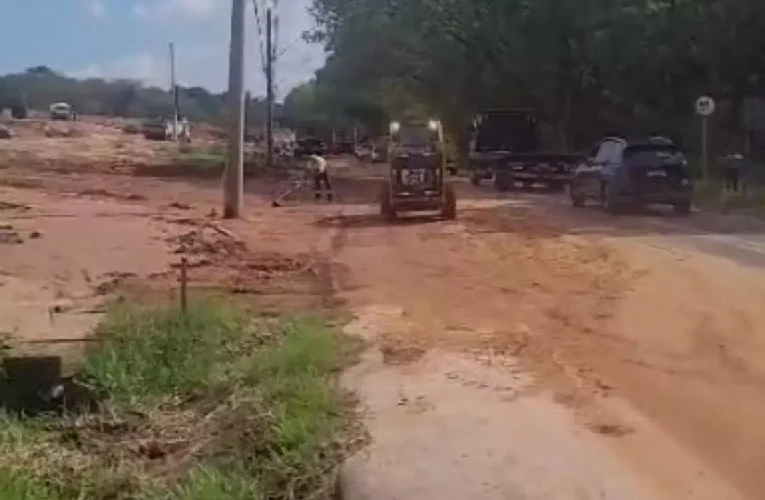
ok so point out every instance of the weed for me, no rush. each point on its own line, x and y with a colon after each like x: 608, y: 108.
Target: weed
x: 212, y: 403
x: 206, y: 483
x: 711, y: 195
x: 201, y: 158
x: 17, y: 485
x: 161, y: 353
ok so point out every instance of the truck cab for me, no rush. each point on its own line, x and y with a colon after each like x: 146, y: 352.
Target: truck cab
x: 511, y: 131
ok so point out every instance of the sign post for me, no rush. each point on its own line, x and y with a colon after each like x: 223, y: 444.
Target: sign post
x: 705, y: 107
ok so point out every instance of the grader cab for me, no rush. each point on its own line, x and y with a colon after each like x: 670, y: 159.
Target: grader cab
x: 416, y: 172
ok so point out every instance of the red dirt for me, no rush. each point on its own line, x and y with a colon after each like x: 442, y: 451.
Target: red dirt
x: 595, y: 321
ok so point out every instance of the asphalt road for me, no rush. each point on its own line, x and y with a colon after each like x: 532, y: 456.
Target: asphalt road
x: 735, y: 237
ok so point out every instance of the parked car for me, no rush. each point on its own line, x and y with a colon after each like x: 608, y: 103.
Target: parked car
x: 342, y: 147
x: 62, y: 111
x: 19, y: 112
x: 366, y: 152
x: 620, y: 173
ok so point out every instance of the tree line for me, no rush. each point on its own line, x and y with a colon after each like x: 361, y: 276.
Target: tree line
x: 39, y: 87
x: 586, y: 67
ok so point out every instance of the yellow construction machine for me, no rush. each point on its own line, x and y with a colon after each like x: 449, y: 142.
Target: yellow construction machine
x: 416, y: 171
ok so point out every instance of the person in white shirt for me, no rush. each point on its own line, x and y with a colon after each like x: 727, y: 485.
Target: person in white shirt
x: 318, y: 168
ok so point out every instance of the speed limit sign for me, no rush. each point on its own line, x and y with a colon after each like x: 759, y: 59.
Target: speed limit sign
x: 705, y: 106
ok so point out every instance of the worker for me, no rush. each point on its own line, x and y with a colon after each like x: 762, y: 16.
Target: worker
x: 318, y: 168
x: 731, y: 170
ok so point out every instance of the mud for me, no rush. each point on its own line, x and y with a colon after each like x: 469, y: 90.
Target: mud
x: 515, y: 351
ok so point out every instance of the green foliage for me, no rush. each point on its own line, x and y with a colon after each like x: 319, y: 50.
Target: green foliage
x: 243, y: 407
x: 585, y: 66
x: 209, y: 483
x: 16, y: 485
x: 161, y: 353
x: 39, y: 87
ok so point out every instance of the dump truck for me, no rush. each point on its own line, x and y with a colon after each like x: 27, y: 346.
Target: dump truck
x: 506, y: 147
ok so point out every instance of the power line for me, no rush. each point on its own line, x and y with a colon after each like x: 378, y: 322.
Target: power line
x: 275, y: 41
x: 269, y: 89
x: 289, y: 46
x: 259, y: 26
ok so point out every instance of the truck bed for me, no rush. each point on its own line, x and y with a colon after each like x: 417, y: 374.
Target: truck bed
x: 544, y: 167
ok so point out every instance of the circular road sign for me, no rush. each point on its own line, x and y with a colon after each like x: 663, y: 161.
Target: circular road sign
x: 705, y: 105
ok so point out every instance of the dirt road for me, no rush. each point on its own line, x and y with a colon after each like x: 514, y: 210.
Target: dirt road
x: 525, y: 351
x: 645, y: 328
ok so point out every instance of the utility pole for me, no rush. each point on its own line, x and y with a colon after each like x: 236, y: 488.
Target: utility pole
x: 233, y: 182
x: 175, y: 91
x: 269, y: 88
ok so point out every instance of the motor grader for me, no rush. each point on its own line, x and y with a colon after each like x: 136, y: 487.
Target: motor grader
x: 416, y: 171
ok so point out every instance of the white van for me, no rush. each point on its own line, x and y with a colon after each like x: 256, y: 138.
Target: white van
x: 62, y: 111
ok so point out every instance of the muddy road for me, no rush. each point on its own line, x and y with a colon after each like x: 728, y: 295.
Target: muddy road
x: 649, y: 328
x: 526, y: 350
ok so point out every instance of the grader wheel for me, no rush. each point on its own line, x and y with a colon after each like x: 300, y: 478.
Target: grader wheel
x: 386, y: 206
x: 449, y: 208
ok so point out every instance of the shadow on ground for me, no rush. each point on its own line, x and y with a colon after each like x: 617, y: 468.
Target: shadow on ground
x: 372, y: 220
x: 34, y: 385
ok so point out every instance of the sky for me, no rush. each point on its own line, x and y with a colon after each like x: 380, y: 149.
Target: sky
x: 130, y: 38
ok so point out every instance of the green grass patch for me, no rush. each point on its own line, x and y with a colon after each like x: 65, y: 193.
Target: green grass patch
x: 211, y: 157
x: 712, y: 196
x: 212, y: 404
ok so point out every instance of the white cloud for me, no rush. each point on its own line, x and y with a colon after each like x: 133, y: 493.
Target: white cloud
x: 206, y: 64
x: 147, y: 68
x: 169, y: 9
x: 96, y: 9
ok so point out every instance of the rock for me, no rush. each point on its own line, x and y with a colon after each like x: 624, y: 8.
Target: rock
x: 61, y: 131
x: 6, y: 133
x: 180, y: 205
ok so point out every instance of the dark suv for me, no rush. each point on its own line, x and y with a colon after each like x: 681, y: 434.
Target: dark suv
x: 619, y: 174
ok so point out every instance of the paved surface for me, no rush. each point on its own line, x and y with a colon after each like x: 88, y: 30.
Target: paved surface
x: 738, y: 238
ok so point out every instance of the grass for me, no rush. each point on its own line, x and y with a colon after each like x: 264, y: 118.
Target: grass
x: 711, y: 195
x: 211, y: 159
x: 211, y: 404
x: 202, y: 157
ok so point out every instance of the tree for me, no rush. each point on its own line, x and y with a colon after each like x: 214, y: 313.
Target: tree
x: 583, y: 65
x: 40, y: 86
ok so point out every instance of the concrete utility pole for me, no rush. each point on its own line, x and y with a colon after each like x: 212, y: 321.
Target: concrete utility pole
x: 269, y: 88
x: 174, y: 87
x: 233, y: 182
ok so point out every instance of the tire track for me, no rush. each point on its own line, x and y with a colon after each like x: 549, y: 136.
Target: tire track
x: 328, y: 270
